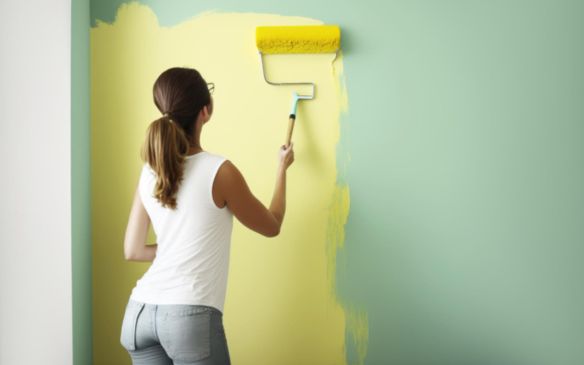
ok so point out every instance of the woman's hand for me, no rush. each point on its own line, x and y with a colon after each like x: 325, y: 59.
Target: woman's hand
x: 286, y: 156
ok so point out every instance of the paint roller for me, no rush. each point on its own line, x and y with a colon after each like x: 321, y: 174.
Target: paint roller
x: 296, y: 39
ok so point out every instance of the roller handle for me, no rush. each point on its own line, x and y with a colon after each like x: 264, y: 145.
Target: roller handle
x: 291, y: 122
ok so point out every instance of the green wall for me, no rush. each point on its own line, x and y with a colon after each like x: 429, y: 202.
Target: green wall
x: 80, y: 184
x: 463, y: 150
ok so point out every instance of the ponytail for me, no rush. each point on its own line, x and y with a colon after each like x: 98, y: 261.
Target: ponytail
x: 179, y: 93
x: 164, y: 149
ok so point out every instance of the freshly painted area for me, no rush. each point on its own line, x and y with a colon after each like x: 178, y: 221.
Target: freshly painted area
x: 280, y: 298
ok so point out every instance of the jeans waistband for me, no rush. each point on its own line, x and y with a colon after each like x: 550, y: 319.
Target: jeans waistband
x: 176, y: 306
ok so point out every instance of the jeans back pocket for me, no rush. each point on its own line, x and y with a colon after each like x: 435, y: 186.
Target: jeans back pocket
x: 128, y: 333
x: 186, y: 334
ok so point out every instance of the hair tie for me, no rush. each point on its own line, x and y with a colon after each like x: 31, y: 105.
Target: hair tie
x: 167, y: 116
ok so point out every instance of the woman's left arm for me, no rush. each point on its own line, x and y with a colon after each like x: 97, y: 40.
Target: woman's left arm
x: 135, y: 248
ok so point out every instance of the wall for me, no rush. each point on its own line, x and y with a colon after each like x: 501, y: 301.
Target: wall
x: 462, y: 151
x: 35, y: 222
x: 274, y: 284
x: 81, y: 245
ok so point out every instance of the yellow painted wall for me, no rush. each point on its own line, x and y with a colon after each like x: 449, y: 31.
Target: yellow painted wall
x: 280, y: 306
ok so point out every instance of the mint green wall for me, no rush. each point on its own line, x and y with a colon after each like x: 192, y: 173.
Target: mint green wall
x: 464, y: 152
x: 80, y: 184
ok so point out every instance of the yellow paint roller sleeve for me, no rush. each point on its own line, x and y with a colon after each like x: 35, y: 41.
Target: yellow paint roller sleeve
x: 298, y: 39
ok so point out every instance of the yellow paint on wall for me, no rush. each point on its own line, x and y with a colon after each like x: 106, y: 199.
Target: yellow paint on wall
x: 357, y: 323
x: 279, y: 308
x: 338, y: 215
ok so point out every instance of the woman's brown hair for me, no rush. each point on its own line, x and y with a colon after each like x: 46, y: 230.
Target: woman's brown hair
x: 180, y: 94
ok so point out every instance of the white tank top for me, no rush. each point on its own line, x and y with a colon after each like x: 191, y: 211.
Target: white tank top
x: 192, y: 257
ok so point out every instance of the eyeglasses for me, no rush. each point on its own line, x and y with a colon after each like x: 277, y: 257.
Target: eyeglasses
x: 211, y: 87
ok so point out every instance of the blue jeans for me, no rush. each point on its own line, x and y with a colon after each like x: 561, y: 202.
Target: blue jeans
x: 179, y: 334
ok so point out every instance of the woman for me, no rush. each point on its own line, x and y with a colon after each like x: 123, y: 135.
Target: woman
x: 174, y: 313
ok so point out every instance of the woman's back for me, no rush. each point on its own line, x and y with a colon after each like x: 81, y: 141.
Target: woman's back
x: 192, y: 258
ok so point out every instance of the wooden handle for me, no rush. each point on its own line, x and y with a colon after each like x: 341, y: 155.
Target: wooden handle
x: 290, y: 129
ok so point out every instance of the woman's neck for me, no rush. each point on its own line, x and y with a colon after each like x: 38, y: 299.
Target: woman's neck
x: 194, y: 149
x: 195, y: 143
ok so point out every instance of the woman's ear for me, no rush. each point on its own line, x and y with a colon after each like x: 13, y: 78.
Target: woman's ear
x: 207, y: 111
x: 206, y: 114
x: 210, y: 106
x: 203, y: 115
